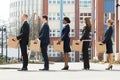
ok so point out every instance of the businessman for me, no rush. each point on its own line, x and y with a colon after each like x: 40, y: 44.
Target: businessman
x: 45, y: 40
x: 24, y: 39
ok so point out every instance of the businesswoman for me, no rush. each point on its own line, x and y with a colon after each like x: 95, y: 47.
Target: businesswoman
x: 66, y: 39
x: 107, y: 40
x: 85, y: 36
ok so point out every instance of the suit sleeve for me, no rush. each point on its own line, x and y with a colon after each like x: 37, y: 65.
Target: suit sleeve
x: 86, y: 33
x: 108, y: 36
x: 67, y: 30
x: 24, y: 32
x: 44, y: 33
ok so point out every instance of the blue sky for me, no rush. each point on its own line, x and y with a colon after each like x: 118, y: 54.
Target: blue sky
x: 4, y: 9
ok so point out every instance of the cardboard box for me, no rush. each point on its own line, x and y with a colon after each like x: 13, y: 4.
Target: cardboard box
x: 58, y: 47
x: 35, y: 47
x: 118, y: 57
x: 77, y: 45
x: 12, y: 43
x: 100, y: 48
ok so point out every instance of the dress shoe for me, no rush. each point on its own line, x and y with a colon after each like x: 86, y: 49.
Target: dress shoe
x: 45, y: 69
x: 109, y: 68
x: 85, y: 69
x: 23, y: 69
x: 65, y: 68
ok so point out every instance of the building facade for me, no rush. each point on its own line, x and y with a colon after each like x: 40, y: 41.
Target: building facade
x: 76, y: 10
x: 19, y: 7
x: 85, y: 10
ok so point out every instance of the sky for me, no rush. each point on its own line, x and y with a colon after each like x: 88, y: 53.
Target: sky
x: 4, y: 9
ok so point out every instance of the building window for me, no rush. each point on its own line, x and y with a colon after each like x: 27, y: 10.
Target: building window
x: 54, y: 55
x: 73, y: 2
x: 54, y: 2
x: 89, y: 14
x: 85, y: 5
x: 58, y: 2
x: 50, y: 35
x: 64, y: 2
x: 53, y: 35
x: 50, y: 2
x: 90, y: 2
x: 49, y: 46
x: 53, y: 18
x: 81, y: 18
x: 50, y: 18
x: 72, y: 30
x: 81, y: 2
x: 58, y: 14
x: 85, y: 2
x: 72, y: 54
x: 72, y: 59
x: 85, y: 14
x: 50, y: 50
x: 68, y: 2
x: 58, y: 55
x: 49, y: 55
x: 81, y: 14
x: 63, y: 14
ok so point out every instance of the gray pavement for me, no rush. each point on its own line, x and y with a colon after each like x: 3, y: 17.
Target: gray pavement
x: 97, y: 72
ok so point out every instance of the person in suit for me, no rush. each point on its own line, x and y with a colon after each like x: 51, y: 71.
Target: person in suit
x: 24, y: 39
x: 85, y: 36
x: 45, y: 40
x: 108, y: 41
x: 66, y: 39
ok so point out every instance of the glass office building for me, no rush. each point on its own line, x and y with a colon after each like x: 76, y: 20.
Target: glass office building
x: 19, y: 7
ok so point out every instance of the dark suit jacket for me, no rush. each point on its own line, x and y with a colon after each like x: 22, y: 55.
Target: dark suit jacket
x: 65, y: 33
x: 24, y: 33
x: 85, y: 33
x: 44, y: 34
x: 108, y: 35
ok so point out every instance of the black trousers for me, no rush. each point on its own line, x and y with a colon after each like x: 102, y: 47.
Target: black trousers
x: 24, y: 55
x: 85, y: 54
x: 45, y: 55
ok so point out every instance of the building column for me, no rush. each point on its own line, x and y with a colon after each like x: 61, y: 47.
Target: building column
x: 37, y: 8
x: 93, y: 28
x: 32, y: 28
x: 100, y: 23
x: 28, y: 9
x: 116, y: 28
x: 77, y: 25
x: 24, y: 6
x: 99, y: 20
x: 117, y: 31
x: 45, y: 7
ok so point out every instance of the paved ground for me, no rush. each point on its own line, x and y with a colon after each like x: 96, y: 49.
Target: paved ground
x: 97, y: 72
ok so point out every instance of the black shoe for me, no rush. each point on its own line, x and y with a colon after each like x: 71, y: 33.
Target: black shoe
x: 65, y: 68
x: 45, y: 69
x: 85, y: 69
x: 23, y: 69
x: 109, y: 68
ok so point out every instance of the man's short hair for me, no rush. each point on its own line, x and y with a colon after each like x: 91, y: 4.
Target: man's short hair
x: 45, y: 17
x: 25, y: 15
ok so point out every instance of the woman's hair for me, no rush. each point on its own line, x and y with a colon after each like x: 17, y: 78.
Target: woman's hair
x: 110, y: 21
x: 67, y: 19
x: 87, y: 22
x: 25, y: 15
